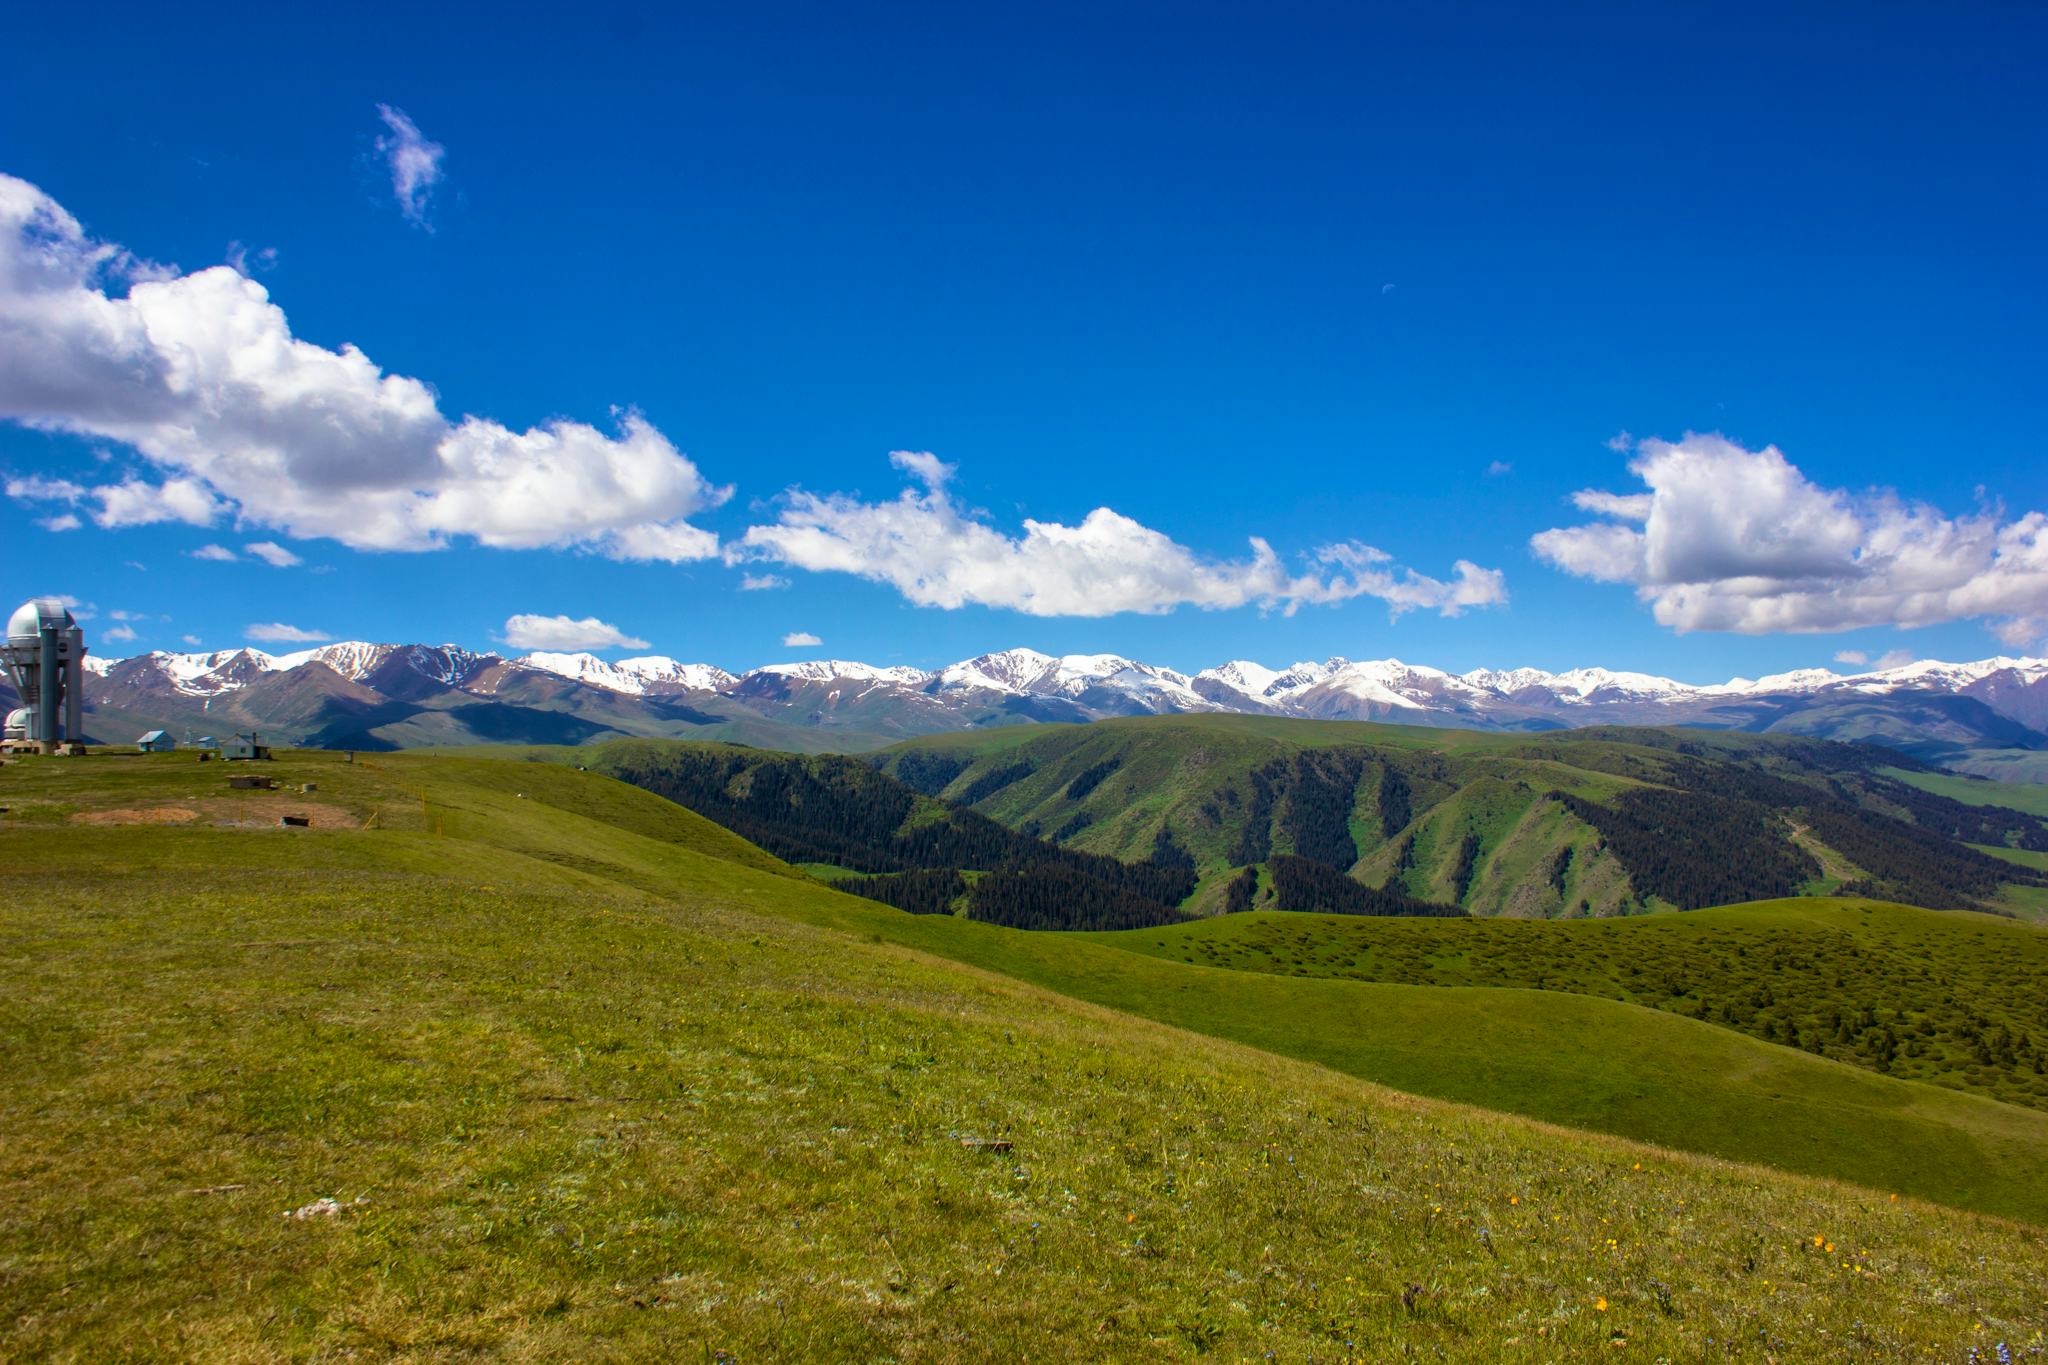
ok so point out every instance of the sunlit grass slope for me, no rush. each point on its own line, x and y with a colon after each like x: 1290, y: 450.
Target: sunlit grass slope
x: 1954, y: 998
x: 2031, y: 797
x: 589, y: 1078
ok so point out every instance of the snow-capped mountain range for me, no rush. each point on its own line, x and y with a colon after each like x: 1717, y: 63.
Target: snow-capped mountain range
x: 379, y: 695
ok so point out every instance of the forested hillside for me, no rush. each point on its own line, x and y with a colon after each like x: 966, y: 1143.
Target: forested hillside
x: 841, y: 814
x: 1587, y: 823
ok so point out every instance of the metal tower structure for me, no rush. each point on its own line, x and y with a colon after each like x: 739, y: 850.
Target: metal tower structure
x: 45, y: 656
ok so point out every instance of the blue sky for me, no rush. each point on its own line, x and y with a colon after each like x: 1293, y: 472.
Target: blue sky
x: 1385, y: 289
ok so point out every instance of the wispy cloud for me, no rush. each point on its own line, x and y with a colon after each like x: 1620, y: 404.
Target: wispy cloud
x: 529, y: 631
x: 800, y: 639
x: 219, y: 554
x: 414, y: 161
x: 273, y: 554
x: 762, y: 582
x: 277, y: 632
x: 246, y: 262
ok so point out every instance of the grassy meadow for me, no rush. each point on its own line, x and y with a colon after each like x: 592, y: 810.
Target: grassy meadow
x: 1957, y: 999
x: 588, y: 1077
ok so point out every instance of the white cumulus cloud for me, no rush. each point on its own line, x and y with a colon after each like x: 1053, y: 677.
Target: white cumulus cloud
x: 414, y: 161
x: 202, y: 375
x: 529, y: 631
x: 1855, y: 658
x: 800, y: 639
x: 1725, y: 538
x: 938, y: 555
x: 273, y: 554
x: 123, y: 633
x: 278, y: 633
x: 219, y: 554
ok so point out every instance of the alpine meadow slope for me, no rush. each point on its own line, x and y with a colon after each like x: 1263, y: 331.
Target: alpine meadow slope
x: 585, y: 1074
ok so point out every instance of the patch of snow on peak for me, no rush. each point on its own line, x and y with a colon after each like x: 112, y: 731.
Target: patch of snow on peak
x: 1581, y: 684
x: 1375, y: 681
x: 584, y: 668
x: 207, y: 675
x: 353, y: 659
x: 1007, y: 670
x: 1301, y: 676
x: 829, y: 670
x: 1242, y: 675
x: 1796, y: 680
x: 1933, y: 673
x: 660, y: 669
x: 1508, y: 681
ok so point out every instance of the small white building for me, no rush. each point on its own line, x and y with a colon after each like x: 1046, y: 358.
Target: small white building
x: 245, y: 746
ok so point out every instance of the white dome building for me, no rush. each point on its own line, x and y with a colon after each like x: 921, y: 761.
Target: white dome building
x: 45, y: 658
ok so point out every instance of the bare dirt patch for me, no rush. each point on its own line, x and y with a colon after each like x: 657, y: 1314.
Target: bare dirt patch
x: 258, y: 810
x: 137, y: 815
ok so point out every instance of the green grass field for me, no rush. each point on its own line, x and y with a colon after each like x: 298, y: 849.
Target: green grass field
x: 1957, y: 999
x: 588, y: 1077
x: 2031, y: 797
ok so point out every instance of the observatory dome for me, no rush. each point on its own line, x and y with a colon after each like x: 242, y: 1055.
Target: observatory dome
x: 17, y: 723
x: 28, y: 619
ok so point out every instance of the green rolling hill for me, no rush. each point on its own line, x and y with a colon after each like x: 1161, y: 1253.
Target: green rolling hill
x: 1959, y: 1000
x: 1585, y: 823
x: 588, y: 1075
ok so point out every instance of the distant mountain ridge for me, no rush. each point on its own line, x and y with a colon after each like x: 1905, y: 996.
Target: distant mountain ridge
x: 395, y: 695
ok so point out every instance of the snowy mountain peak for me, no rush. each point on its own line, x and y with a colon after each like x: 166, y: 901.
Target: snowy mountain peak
x: 1241, y: 675
x: 1581, y: 684
x: 1506, y: 681
x: 635, y: 677
x: 827, y: 670
x: 1016, y: 684
x: 1798, y: 680
x: 659, y: 668
x: 584, y: 668
x: 353, y: 659
x: 1008, y: 670
x: 1298, y: 676
x: 206, y: 675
